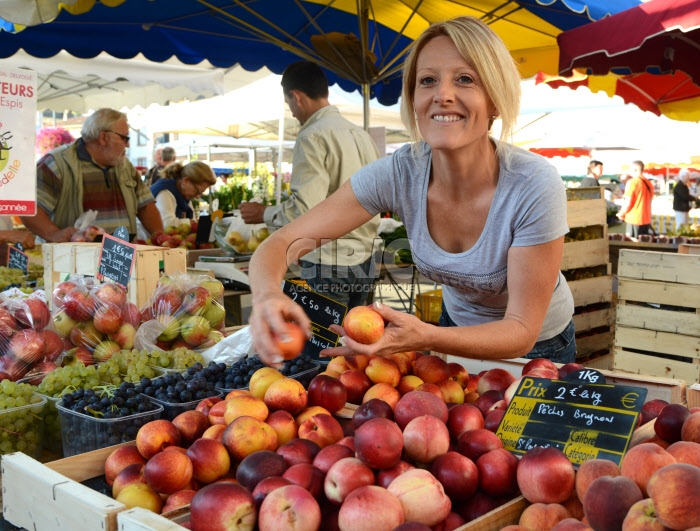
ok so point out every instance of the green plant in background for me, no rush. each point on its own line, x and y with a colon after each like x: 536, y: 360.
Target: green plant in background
x: 236, y: 190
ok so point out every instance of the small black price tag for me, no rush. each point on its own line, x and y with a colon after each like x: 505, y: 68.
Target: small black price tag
x: 585, y: 420
x: 16, y: 258
x: 322, y: 311
x: 116, y: 260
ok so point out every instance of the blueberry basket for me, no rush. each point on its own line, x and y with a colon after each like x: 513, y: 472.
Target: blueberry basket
x: 52, y: 426
x: 22, y: 428
x: 173, y: 409
x: 82, y: 433
x: 304, y: 376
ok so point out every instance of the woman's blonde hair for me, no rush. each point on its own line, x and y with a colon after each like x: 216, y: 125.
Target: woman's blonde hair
x: 485, y: 51
x: 197, y: 171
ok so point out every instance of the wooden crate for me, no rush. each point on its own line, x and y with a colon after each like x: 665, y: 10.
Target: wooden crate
x: 586, y: 253
x: 671, y: 390
x: 600, y: 342
x: 688, y: 248
x: 694, y: 396
x: 585, y: 207
x: 138, y: 519
x: 589, y: 291
x: 663, y: 267
x: 64, y: 259
x: 50, y: 497
x: 655, y: 365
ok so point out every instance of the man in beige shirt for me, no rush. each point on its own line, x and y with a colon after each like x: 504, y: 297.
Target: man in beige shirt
x: 329, y: 149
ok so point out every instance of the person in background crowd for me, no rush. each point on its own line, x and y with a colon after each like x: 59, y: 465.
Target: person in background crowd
x: 167, y: 156
x: 92, y: 173
x: 177, y: 187
x: 595, y: 170
x: 157, y: 163
x: 682, y: 199
x: 636, y: 210
x: 327, y: 151
x: 484, y: 218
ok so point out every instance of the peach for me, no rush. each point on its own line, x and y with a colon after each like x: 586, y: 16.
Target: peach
x: 408, y: 383
x: 309, y: 412
x: 379, y: 443
x: 191, y: 425
x: 498, y: 473
x: 119, y: 459
x: 156, y: 435
x: 384, y: 392
x: 422, y: 497
x: 284, y: 425
x: 257, y: 466
x: 387, y: 475
x: 205, y: 405
x: 457, y: 474
x: 685, y: 452
x: 364, y: 325
x: 140, y: 495
x: 642, y: 517
x: 289, y: 507
x: 675, y: 491
x: 321, y: 429
x: 168, y: 472
x: 592, y: 469
x: 641, y: 461
x: 543, y: 515
x: 246, y: 435
x: 383, y: 370
x: 545, y: 475
x: 539, y: 363
x: 266, y: 486
x: 210, y: 460
x: 128, y: 475
x: 327, y: 392
x: 243, y: 405
x: 262, y: 379
x: 475, y: 443
x: 431, y: 388
x: 431, y: 369
x: 288, y: 394
x: 308, y: 476
x: 356, y: 383
x: 495, y: 379
x: 452, y: 392
x: 608, y: 499
x: 416, y: 404
x: 669, y: 422
x: 344, y: 476
x: 425, y: 438
x: 690, y: 431
x: 217, y: 412
x: 178, y: 499
x: 237, y: 392
x: 357, y: 362
x: 214, y: 432
x: 458, y: 373
x: 385, y: 509
x: 299, y: 451
x: 402, y: 362
x: 339, y: 364
x: 222, y: 506
x: 330, y: 455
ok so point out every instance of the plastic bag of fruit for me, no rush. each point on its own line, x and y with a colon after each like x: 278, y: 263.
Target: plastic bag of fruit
x: 233, y: 234
x: 184, y: 311
x: 29, y: 343
x: 87, y: 230
x: 231, y: 349
x: 95, y: 320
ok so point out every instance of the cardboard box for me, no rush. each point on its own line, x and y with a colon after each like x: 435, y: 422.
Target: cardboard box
x: 61, y: 260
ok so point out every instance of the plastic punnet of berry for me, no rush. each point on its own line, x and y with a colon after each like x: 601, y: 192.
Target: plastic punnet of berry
x: 103, y: 416
x: 21, y: 418
x: 178, y: 392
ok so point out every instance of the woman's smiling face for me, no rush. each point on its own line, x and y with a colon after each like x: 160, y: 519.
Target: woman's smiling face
x: 452, y: 107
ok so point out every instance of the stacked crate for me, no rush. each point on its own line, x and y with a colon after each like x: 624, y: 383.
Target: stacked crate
x: 586, y: 266
x: 658, y: 314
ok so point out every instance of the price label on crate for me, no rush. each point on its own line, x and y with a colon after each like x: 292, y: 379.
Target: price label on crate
x: 322, y: 311
x: 16, y: 258
x: 116, y: 260
x: 583, y: 419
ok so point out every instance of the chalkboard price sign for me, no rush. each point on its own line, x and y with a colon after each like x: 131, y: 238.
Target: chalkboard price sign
x: 16, y: 259
x: 322, y: 311
x: 584, y: 420
x: 116, y: 260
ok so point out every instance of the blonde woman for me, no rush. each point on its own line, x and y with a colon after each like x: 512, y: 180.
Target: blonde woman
x: 177, y: 187
x: 485, y: 219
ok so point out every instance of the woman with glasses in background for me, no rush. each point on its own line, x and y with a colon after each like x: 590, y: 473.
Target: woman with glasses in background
x: 178, y: 185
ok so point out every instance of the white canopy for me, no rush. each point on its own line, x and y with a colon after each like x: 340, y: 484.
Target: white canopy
x: 79, y: 85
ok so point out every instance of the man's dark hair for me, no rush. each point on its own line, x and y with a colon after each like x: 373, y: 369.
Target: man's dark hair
x: 307, y: 77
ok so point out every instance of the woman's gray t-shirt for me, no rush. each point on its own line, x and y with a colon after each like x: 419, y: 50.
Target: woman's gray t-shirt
x: 528, y: 208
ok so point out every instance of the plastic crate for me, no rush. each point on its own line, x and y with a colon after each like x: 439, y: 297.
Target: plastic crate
x: 304, y: 377
x: 429, y: 306
x: 173, y: 409
x: 84, y: 433
x: 23, y: 428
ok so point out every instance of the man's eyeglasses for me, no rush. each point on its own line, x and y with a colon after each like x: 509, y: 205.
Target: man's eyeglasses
x: 123, y: 137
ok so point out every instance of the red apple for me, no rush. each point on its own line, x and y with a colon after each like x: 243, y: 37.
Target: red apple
x: 458, y: 475
x: 132, y: 315
x: 78, y: 355
x: 363, y: 324
x: 60, y: 292
x: 33, y: 313
x: 84, y: 334
x: 327, y: 392
x: 53, y: 345
x: 111, y: 295
x: 545, y: 475
x: 222, y: 507
x: 27, y: 346
x: 379, y: 443
x: 195, y: 300
x: 79, y: 305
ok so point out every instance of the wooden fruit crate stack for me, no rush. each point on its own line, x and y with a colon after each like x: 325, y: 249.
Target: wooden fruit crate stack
x: 586, y: 266
x: 658, y: 315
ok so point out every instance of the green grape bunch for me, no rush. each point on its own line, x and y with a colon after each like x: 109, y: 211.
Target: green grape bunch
x: 21, y: 418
